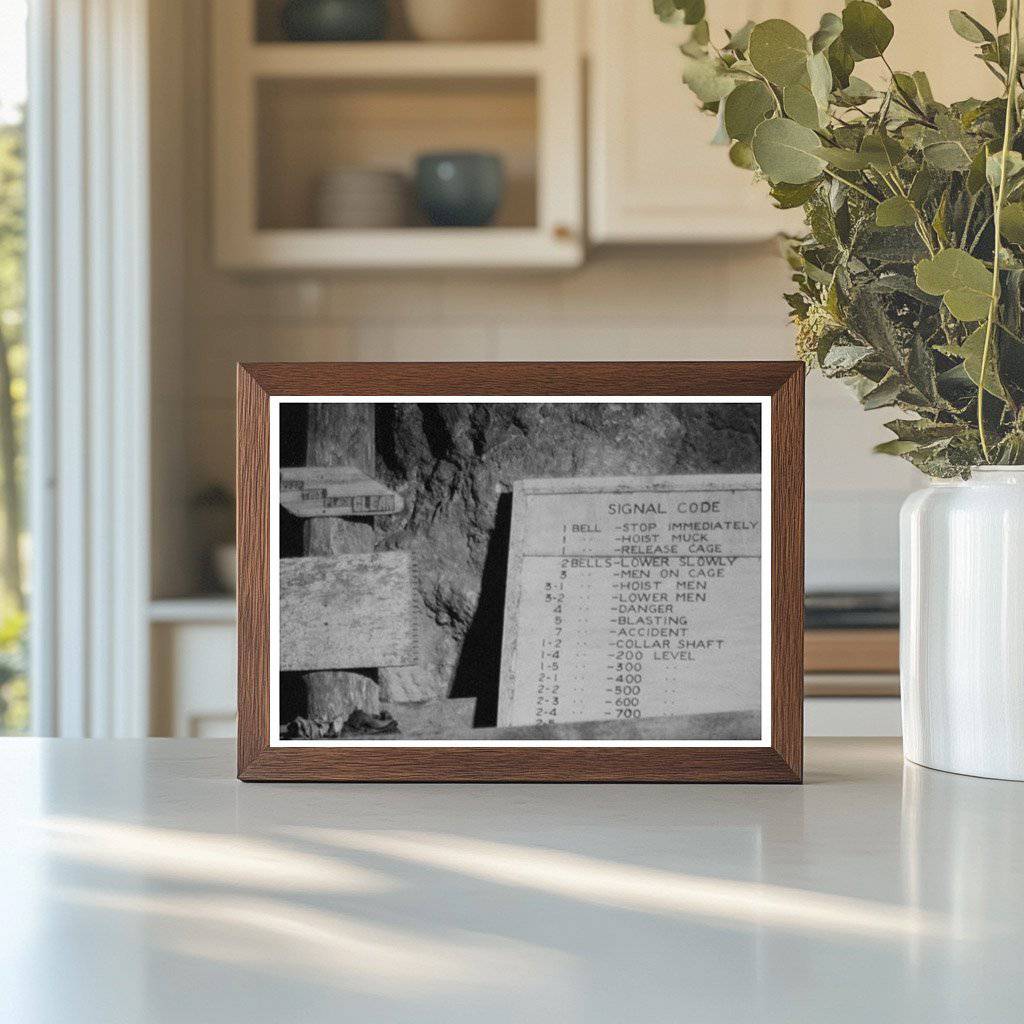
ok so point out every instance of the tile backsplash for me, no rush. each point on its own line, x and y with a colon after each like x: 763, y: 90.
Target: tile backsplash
x: 708, y: 303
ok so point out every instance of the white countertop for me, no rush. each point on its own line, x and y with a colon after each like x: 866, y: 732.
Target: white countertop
x: 140, y: 882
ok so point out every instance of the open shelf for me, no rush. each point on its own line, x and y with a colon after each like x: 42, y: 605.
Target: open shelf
x: 519, y: 24
x: 406, y: 248
x: 308, y: 127
x: 392, y: 60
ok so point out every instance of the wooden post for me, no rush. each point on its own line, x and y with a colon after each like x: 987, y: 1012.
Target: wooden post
x: 341, y: 434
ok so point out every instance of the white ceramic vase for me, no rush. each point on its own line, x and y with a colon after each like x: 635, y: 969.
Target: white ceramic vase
x: 962, y: 624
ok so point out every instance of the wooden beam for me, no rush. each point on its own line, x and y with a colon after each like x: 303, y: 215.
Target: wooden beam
x: 341, y: 434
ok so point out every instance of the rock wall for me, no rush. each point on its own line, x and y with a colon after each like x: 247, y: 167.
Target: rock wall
x: 455, y: 464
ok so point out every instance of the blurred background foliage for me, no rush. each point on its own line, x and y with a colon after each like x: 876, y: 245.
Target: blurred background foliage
x: 14, y: 708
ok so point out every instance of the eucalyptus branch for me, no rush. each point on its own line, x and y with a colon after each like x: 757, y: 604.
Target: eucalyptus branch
x: 977, y: 238
x: 1012, y: 333
x: 995, y: 71
x: 909, y: 100
x: 1000, y: 197
x: 910, y: 228
x: 853, y: 185
x: 771, y: 90
x: 970, y: 215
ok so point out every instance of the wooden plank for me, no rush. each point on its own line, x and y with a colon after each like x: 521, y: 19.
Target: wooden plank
x: 632, y: 598
x: 347, y: 612
x: 309, y: 491
x: 852, y: 650
x: 341, y: 434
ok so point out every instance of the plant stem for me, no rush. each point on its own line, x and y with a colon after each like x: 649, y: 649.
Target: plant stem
x: 1011, y: 109
x: 907, y: 99
x: 923, y: 231
x: 853, y: 185
x: 980, y: 232
x: 774, y: 96
x: 1012, y: 334
x: 970, y: 215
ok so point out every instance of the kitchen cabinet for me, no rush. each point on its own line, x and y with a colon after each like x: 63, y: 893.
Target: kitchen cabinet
x: 192, y: 646
x: 654, y: 177
x: 287, y: 114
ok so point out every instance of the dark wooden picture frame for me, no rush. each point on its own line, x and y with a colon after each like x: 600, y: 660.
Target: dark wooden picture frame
x: 781, y: 761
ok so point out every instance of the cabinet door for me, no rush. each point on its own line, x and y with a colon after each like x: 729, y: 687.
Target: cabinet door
x: 654, y: 177
x: 653, y: 174
x: 925, y: 41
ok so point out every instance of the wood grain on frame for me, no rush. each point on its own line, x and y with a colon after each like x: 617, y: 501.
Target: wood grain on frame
x: 780, y: 762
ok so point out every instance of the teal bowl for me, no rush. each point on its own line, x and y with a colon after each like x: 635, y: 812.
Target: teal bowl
x: 460, y: 190
x: 334, y: 21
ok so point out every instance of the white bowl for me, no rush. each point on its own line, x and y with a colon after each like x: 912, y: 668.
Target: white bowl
x: 362, y: 198
x: 364, y: 179
x: 470, y: 20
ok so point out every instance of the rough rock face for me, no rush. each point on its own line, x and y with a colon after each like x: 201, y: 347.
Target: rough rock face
x: 455, y: 464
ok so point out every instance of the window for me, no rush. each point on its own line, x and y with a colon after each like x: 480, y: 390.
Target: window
x: 14, y: 695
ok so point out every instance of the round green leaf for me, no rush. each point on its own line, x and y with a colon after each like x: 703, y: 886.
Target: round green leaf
x: 690, y: 12
x: 829, y: 30
x: 994, y: 164
x: 707, y: 78
x: 740, y: 39
x: 972, y: 351
x: 693, y: 11
x: 857, y: 91
x: 666, y: 10
x: 844, y: 159
x: 779, y: 51
x: 905, y: 85
x: 883, y: 152
x: 1012, y: 224
x: 840, y: 61
x: 819, y: 75
x: 924, y: 87
x: 947, y: 156
x: 787, y: 152
x: 968, y: 28
x: 866, y: 29
x: 745, y: 108
x: 963, y: 281
x: 801, y: 106
x: 741, y: 155
x: 896, y: 447
x: 976, y: 173
x: 788, y: 197
x: 895, y: 212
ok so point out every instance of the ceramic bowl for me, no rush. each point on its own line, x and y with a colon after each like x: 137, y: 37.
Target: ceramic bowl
x: 332, y: 21
x: 460, y: 189
x: 359, y: 197
x: 470, y: 20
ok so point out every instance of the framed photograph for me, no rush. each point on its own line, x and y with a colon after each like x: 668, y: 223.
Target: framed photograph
x: 564, y: 572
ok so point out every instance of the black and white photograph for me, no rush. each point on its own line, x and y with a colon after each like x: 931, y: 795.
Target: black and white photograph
x: 520, y: 571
